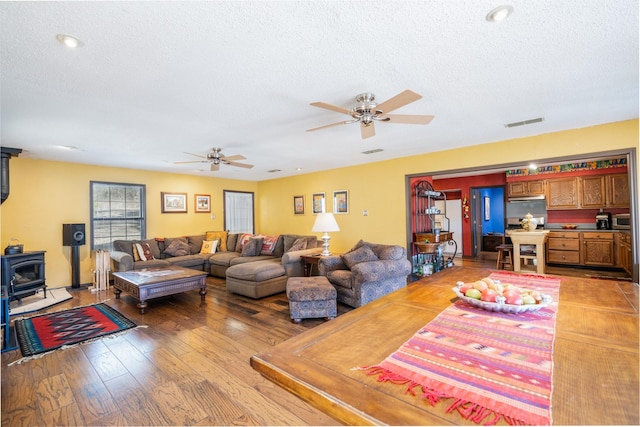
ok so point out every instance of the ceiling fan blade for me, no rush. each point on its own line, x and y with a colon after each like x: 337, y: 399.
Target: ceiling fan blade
x: 328, y: 126
x: 194, y: 161
x: 197, y: 155
x: 241, y: 165
x: 233, y: 158
x: 215, y: 167
x: 409, y: 119
x: 331, y: 107
x: 400, y: 100
x: 367, y: 131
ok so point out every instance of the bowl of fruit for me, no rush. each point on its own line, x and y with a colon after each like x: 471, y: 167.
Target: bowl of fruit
x: 492, y: 295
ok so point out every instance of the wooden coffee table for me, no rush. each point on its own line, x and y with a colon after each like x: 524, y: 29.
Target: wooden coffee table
x: 158, y: 282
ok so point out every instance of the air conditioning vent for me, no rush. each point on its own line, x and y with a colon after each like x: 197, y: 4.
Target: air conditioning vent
x: 377, y: 150
x: 524, y: 122
x: 275, y: 170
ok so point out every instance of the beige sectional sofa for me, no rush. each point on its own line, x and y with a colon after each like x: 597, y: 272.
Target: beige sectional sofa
x: 251, y: 273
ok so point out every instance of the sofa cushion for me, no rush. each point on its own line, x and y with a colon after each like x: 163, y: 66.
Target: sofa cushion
x: 223, y: 259
x: 142, y: 252
x: 232, y: 240
x: 298, y: 245
x: 195, y: 243
x: 289, y: 239
x: 222, y: 235
x: 209, y: 246
x: 362, y: 254
x: 256, y: 271
x: 196, y: 262
x: 242, y: 240
x: 252, y: 247
x: 126, y: 246
x: 342, y: 278
x: 177, y: 247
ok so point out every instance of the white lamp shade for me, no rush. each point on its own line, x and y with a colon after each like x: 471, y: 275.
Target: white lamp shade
x: 325, y: 222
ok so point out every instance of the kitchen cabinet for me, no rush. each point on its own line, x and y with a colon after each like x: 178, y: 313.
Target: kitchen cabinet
x: 593, y: 192
x: 598, y: 249
x: 562, y: 193
x: 617, y: 190
x: 563, y: 247
x: 624, y: 257
x: 525, y: 188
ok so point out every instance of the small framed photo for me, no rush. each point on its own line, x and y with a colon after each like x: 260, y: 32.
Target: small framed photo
x: 174, y: 202
x: 341, y: 202
x: 202, y: 203
x: 317, y: 201
x: 298, y: 205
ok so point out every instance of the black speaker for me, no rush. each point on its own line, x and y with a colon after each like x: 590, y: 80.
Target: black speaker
x: 73, y: 235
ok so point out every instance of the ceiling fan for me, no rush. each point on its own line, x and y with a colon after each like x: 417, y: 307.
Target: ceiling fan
x: 215, y: 158
x: 366, y: 111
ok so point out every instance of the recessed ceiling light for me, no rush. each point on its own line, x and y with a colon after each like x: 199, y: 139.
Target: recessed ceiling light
x: 69, y: 41
x: 499, y: 13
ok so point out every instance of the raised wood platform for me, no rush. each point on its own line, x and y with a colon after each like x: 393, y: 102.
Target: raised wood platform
x: 595, y: 358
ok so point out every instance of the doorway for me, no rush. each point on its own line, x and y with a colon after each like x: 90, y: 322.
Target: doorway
x: 488, y: 219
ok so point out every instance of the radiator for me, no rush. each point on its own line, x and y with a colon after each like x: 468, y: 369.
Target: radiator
x: 102, y: 266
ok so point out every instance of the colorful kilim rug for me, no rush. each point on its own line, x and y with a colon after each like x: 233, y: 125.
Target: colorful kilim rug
x: 47, y: 332
x: 491, y: 365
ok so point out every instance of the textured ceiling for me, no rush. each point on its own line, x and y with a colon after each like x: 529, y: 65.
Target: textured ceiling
x: 153, y: 80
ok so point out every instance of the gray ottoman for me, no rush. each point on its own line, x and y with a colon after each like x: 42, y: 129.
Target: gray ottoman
x: 256, y: 279
x: 311, y: 297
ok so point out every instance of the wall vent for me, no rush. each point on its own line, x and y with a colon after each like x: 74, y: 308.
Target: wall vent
x: 524, y: 122
x: 377, y: 150
x: 275, y: 170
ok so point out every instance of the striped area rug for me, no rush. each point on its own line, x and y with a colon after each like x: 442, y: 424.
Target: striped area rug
x: 489, y: 366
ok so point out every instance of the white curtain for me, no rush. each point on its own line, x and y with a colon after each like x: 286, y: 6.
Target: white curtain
x: 238, y: 212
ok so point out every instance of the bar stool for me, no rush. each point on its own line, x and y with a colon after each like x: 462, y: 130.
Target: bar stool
x: 505, y: 256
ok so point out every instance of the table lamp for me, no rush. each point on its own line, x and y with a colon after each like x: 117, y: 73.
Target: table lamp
x: 325, y: 222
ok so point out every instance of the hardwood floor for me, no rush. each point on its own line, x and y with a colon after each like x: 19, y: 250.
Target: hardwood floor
x: 187, y: 364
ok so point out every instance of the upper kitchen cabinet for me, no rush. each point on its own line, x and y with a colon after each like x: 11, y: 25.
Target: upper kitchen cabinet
x: 593, y: 192
x: 617, y: 190
x: 562, y: 193
x: 525, y: 188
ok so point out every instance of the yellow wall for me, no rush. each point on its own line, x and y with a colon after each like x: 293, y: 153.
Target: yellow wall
x: 45, y: 195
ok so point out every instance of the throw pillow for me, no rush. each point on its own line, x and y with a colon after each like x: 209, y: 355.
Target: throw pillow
x: 362, y: 254
x: 298, y: 245
x: 222, y: 235
x: 144, y: 252
x: 242, y: 240
x: 268, y: 245
x: 252, y: 247
x: 177, y: 248
x: 209, y: 246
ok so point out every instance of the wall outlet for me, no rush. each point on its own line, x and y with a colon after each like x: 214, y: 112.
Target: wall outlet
x: 213, y: 216
x: 365, y: 213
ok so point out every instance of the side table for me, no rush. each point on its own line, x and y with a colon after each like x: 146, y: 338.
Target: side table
x: 308, y: 262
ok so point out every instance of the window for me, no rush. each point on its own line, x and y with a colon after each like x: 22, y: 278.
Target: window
x: 117, y: 212
x: 238, y: 212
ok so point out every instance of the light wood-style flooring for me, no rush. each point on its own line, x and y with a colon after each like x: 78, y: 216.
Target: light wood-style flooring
x: 189, y: 366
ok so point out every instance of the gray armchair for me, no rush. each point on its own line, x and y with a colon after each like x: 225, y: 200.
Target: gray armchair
x: 367, y: 272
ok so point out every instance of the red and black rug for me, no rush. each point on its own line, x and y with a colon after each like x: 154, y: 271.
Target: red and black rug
x: 47, y: 332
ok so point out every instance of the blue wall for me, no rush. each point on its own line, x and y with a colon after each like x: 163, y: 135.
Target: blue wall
x: 495, y: 224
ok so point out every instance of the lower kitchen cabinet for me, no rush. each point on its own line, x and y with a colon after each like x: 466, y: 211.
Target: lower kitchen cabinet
x: 624, y: 255
x: 588, y: 248
x: 598, y: 249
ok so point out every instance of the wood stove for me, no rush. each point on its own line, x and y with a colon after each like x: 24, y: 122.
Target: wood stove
x: 23, y: 274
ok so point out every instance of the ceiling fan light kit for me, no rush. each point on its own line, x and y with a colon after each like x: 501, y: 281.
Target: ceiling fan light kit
x: 366, y: 111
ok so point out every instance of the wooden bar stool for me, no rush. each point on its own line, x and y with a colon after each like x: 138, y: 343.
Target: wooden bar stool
x: 505, y: 256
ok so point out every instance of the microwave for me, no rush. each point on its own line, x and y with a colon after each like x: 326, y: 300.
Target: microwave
x: 621, y: 221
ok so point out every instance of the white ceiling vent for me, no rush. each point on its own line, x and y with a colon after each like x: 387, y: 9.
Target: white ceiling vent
x: 524, y: 122
x: 377, y: 150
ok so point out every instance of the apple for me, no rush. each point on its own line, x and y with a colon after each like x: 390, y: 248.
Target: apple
x: 514, y: 298
x: 465, y: 287
x: 528, y: 299
x: 480, y: 285
x: 489, y: 295
x: 473, y: 293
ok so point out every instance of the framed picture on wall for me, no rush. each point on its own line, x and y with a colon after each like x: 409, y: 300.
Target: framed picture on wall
x: 487, y: 208
x: 174, y: 202
x: 341, y: 202
x: 317, y: 201
x: 202, y: 203
x: 298, y: 205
